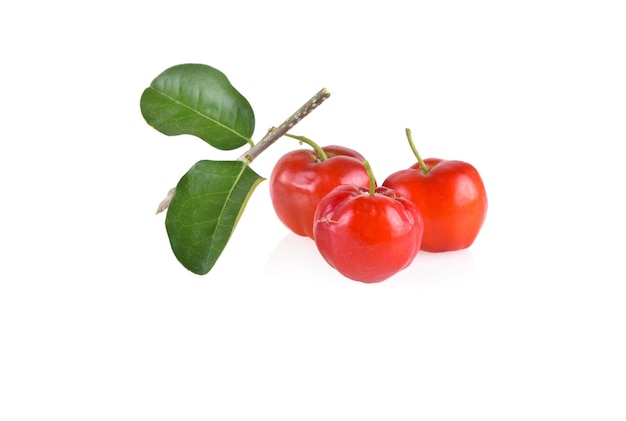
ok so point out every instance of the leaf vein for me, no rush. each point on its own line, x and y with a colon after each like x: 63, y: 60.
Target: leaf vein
x: 203, y: 115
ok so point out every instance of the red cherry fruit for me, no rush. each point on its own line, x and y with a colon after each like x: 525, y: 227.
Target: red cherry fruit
x: 368, y: 235
x: 451, y: 197
x: 301, y: 178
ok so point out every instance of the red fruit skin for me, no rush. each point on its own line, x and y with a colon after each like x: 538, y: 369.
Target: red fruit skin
x: 451, y: 197
x: 299, y: 180
x: 367, y: 238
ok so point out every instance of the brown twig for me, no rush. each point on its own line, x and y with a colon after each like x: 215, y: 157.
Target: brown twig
x: 272, y: 136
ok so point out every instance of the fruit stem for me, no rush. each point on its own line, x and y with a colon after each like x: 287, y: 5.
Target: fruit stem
x: 415, y: 152
x: 318, y: 149
x: 277, y: 132
x: 370, y: 173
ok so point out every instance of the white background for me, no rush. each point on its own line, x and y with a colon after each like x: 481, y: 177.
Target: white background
x: 98, y: 321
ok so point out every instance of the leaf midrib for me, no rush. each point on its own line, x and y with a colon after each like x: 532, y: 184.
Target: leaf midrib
x: 216, y: 122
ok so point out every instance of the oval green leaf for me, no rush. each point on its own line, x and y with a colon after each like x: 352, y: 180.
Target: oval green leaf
x: 199, y: 100
x: 206, y: 206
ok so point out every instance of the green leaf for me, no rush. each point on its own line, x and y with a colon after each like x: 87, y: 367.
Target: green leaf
x: 199, y: 100
x: 205, y: 208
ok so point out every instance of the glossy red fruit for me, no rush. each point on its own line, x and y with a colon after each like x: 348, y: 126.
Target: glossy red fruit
x: 451, y: 197
x: 367, y: 236
x: 300, y: 179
